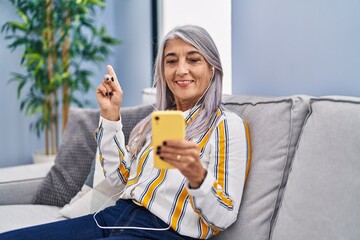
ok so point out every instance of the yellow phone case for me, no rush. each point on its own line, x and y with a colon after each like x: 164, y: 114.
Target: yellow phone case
x: 166, y: 125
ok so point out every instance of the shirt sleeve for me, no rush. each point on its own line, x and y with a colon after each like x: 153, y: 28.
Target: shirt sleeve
x: 113, y: 156
x: 217, y: 201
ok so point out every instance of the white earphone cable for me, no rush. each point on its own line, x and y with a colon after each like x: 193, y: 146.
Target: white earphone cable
x: 123, y: 227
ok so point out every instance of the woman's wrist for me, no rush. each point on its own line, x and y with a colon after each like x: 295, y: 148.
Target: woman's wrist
x: 197, y: 183
x: 111, y: 115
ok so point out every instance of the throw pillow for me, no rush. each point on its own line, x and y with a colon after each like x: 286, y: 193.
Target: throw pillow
x: 73, y: 161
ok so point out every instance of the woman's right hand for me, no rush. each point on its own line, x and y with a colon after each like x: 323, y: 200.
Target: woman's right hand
x: 109, y: 96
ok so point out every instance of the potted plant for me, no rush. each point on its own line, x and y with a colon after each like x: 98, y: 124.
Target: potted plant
x: 57, y: 37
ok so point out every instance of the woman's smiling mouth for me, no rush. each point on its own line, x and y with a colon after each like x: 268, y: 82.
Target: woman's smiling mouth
x: 183, y: 83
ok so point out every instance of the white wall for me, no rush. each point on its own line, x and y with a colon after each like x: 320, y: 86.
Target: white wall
x: 213, y: 15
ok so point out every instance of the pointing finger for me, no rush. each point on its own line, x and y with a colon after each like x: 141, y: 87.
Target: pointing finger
x: 114, y: 82
x: 111, y: 71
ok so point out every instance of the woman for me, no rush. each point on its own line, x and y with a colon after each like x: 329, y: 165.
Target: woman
x: 201, y: 196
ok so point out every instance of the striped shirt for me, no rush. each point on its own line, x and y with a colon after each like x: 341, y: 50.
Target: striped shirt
x: 198, y: 213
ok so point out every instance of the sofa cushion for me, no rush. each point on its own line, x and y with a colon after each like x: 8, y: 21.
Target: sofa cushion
x: 20, y: 216
x: 275, y: 124
x: 18, y: 184
x: 321, y: 199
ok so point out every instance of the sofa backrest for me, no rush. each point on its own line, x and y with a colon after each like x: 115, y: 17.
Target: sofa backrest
x: 322, y: 196
x: 275, y: 124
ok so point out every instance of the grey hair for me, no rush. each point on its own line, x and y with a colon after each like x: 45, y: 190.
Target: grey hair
x: 211, y: 100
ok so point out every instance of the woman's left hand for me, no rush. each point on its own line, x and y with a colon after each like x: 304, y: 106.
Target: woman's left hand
x: 184, y: 155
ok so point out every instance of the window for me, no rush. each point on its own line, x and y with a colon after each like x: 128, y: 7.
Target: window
x: 213, y: 15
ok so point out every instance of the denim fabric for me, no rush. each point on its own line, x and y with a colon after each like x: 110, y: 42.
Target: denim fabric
x: 124, y: 213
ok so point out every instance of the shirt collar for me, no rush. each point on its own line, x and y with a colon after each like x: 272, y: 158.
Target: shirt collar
x: 191, y: 113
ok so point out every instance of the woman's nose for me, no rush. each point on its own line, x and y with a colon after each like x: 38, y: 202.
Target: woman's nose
x: 182, y: 68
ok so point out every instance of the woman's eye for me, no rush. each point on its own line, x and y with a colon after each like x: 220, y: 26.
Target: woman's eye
x: 170, y: 61
x: 194, y: 60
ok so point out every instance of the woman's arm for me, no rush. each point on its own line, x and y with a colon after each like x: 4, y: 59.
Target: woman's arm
x: 113, y: 156
x: 217, y: 201
x: 109, y: 137
x: 215, y: 183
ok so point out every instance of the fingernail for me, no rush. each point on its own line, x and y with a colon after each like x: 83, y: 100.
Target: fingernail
x: 157, y: 153
x: 158, y: 148
x: 112, y: 78
x: 107, y: 79
x: 106, y: 94
x: 110, y: 93
x: 161, y: 158
x: 164, y: 143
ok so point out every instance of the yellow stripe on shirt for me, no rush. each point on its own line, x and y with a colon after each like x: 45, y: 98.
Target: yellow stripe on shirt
x: 221, y: 154
x: 219, y: 193
x: 122, y: 169
x: 140, y: 166
x: 179, y: 208
x: 205, y: 139
x: 101, y: 159
x: 249, y: 150
x: 149, y: 194
x: 204, y: 227
x: 192, y: 116
x: 220, y: 186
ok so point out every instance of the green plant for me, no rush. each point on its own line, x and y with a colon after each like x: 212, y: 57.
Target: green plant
x: 57, y: 37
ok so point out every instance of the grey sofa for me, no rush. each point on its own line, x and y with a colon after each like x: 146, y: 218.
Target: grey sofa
x: 304, y: 180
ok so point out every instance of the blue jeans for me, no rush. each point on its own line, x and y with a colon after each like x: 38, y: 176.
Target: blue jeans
x: 124, y: 213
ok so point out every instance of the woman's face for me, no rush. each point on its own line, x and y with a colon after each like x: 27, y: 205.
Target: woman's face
x: 186, y: 72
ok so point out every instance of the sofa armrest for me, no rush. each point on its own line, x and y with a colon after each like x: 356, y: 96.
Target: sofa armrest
x: 19, y: 184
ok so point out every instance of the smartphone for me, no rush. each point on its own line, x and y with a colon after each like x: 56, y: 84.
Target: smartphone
x: 166, y: 125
